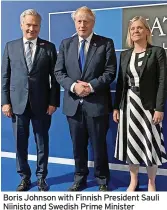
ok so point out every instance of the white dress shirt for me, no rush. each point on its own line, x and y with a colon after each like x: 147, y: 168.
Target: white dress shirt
x: 33, y: 47
x: 87, y: 44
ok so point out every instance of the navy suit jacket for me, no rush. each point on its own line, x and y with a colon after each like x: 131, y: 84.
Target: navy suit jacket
x: 18, y: 84
x: 99, y: 71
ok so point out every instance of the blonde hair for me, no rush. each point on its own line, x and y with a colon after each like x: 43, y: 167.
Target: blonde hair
x: 129, y: 41
x: 90, y: 13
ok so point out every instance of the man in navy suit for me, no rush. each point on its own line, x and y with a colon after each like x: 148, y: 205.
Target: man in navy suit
x: 30, y: 92
x: 85, y: 67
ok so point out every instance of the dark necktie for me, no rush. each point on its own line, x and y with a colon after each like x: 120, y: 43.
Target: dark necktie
x: 28, y: 55
x: 82, y: 55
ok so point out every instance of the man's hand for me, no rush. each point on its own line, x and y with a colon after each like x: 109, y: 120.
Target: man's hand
x: 51, y: 110
x: 7, y: 110
x: 158, y: 117
x: 85, y: 89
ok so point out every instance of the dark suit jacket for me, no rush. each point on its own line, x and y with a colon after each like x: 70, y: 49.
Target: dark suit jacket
x: 153, y: 74
x: 18, y: 84
x: 99, y: 71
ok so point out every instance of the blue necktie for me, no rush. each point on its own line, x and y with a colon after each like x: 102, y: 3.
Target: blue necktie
x: 82, y: 55
x: 28, y: 55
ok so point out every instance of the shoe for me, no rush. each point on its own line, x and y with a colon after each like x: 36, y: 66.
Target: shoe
x: 103, y: 187
x: 78, y: 186
x: 24, y: 185
x: 42, y: 185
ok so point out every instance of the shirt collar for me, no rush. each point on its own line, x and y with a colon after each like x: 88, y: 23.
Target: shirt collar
x: 88, y: 39
x: 34, y: 41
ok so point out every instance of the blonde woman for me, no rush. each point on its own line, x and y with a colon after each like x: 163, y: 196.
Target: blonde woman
x: 139, y: 103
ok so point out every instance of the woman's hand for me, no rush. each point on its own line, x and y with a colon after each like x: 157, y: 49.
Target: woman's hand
x: 158, y: 117
x: 116, y: 115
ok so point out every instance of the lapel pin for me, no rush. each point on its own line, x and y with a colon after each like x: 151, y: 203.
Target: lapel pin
x: 94, y: 44
x: 149, y: 54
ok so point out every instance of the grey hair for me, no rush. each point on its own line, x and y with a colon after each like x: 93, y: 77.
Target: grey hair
x: 86, y: 9
x: 29, y: 12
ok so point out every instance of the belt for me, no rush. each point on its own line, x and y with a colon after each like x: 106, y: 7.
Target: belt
x: 134, y: 88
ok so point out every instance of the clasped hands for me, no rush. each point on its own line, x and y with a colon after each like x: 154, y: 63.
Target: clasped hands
x: 82, y: 89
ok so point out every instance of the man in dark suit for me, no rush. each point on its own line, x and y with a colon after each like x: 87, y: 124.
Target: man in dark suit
x: 30, y: 92
x: 85, y: 67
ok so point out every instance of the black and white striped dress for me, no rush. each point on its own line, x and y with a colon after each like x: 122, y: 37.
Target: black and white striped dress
x: 138, y: 139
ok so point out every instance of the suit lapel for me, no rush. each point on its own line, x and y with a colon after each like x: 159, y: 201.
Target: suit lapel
x: 125, y: 61
x: 74, y: 53
x: 22, y: 56
x: 90, y: 53
x: 147, y: 55
x: 39, y: 49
